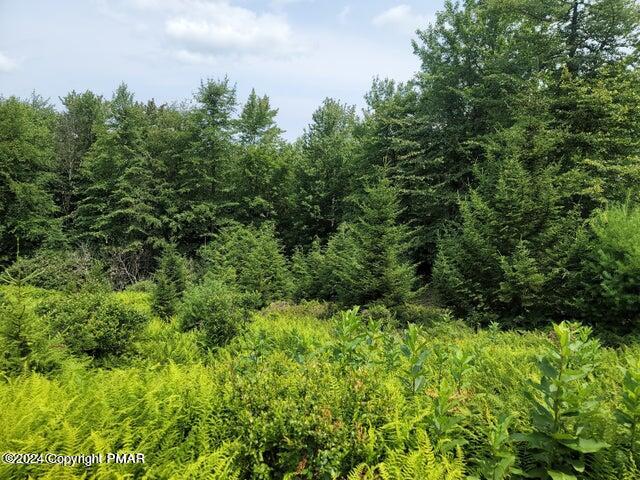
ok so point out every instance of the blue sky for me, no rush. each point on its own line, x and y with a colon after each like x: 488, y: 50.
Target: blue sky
x: 296, y: 51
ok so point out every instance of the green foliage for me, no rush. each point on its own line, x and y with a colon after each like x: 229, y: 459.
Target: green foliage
x: 26, y: 162
x: 421, y: 463
x: 501, y: 464
x: 365, y: 262
x: 628, y: 415
x: 60, y: 270
x: 323, y: 174
x: 170, y: 282
x: 95, y: 324
x: 26, y: 340
x: 416, y: 353
x: 215, y: 307
x: 255, y: 256
x: 313, y: 399
x: 514, y: 248
x: 562, y: 436
x: 611, y: 270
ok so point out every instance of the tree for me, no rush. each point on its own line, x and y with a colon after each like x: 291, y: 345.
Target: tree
x: 607, y: 288
x: 258, y: 167
x: 76, y: 131
x: 255, y: 257
x: 366, y: 261
x: 27, y: 208
x: 200, y: 185
x: 323, y: 174
x: 170, y: 282
x: 117, y: 213
x: 513, y: 252
x: 257, y: 121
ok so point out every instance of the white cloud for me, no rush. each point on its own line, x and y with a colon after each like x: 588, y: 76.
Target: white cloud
x: 401, y: 17
x: 220, y: 28
x: 344, y: 14
x: 7, y: 64
x: 198, y: 29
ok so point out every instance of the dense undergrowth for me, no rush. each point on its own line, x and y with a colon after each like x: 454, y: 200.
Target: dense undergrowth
x: 303, y: 393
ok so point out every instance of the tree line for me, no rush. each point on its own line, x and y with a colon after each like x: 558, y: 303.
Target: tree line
x: 504, y: 176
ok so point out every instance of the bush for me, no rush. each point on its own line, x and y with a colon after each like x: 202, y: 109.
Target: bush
x: 94, y: 324
x: 143, y: 286
x: 426, y: 315
x: 255, y: 255
x: 216, y: 308
x: 610, y: 274
x: 26, y: 341
x: 170, y: 283
x: 60, y: 270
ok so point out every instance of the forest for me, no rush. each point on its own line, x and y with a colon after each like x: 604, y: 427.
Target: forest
x: 444, y: 285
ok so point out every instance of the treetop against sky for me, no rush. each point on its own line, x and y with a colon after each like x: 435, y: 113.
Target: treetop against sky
x: 297, y: 51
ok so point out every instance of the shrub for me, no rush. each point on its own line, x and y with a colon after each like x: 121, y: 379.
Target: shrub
x: 143, y: 286
x: 26, y: 342
x: 95, y: 324
x: 255, y: 255
x: 610, y: 274
x: 426, y: 315
x: 170, y: 283
x: 216, y: 308
x: 562, y: 404
x: 60, y: 270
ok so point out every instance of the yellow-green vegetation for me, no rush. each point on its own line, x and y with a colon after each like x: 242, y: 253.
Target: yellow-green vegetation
x: 300, y: 394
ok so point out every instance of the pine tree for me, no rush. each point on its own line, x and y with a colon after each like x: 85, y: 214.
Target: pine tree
x: 200, y: 183
x: 512, y: 253
x: 170, y: 282
x: 27, y: 208
x: 366, y: 261
x: 117, y: 212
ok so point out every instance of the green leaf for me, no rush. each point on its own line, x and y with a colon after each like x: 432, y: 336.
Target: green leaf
x: 585, y: 445
x: 555, y: 475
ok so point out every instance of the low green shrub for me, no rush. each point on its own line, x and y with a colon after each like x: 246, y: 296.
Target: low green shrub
x: 216, y: 308
x: 425, y: 315
x: 69, y: 270
x: 94, y: 324
x: 144, y: 286
x: 26, y: 341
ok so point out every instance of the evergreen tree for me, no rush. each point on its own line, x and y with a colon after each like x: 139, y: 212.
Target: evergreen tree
x: 27, y: 208
x: 513, y: 252
x: 117, y: 212
x: 200, y: 185
x: 76, y: 131
x: 324, y: 173
x: 170, y: 282
x: 366, y: 261
x: 255, y: 256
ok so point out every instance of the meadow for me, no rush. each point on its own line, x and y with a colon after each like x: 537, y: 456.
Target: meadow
x: 304, y: 392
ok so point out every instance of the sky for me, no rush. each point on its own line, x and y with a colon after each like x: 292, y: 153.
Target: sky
x: 296, y: 51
